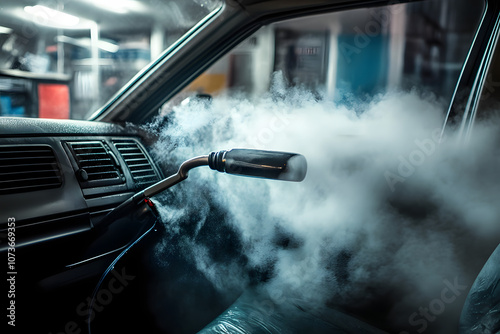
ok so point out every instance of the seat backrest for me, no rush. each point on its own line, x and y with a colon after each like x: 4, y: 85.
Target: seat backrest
x: 481, y: 312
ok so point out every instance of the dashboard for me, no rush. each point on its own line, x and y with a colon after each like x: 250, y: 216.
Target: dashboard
x: 58, y: 179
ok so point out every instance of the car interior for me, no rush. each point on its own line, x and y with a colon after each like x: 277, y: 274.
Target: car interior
x: 85, y: 112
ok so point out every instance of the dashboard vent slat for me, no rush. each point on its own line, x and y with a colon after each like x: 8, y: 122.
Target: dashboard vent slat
x: 140, y: 166
x: 28, y: 168
x: 97, y: 161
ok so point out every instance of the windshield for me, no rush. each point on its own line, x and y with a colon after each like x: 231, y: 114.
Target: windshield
x: 66, y: 58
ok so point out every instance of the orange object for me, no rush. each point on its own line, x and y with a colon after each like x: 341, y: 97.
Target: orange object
x: 53, y: 101
x: 209, y: 83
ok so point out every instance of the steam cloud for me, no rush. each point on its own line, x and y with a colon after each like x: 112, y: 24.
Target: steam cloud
x: 387, y: 211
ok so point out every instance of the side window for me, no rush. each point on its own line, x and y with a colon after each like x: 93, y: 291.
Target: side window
x: 353, y: 55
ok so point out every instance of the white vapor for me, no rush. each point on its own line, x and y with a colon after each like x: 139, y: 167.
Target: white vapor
x: 386, y: 213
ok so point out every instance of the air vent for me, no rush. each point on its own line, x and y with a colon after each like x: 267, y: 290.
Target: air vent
x: 28, y: 168
x: 97, y: 164
x: 138, y: 163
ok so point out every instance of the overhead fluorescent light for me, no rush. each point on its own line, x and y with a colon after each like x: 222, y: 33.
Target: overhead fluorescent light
x: 50, y: 17
x: 120, y: 6
x: 108, y: 46
x: 5, y: 30
x: 87, y: 43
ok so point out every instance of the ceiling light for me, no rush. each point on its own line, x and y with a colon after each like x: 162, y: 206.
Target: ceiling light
x: 87, y: 43
x: 108, y: 46
x: 50, y: 17
x: 120, y: 6
x: 5, y: 30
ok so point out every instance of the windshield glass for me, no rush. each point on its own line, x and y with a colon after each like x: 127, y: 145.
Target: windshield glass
x: 65, y: 59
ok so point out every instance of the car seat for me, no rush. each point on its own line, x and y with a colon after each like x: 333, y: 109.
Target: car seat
x: 256, y: 313
x: 481, y: 312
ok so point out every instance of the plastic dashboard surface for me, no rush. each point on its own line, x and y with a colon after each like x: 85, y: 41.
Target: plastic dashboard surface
x: 77, y: 202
